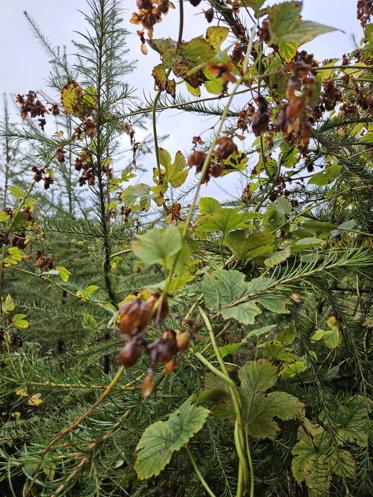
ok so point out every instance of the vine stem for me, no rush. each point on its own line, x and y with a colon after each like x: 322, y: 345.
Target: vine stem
x: 199, y: 474
x: 239, y: 429
x: 72, y: 426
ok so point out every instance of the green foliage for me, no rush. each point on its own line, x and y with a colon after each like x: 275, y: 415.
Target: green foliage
x: 246, y: 318
x: 161, y: 439
x: 289, y: 31
x: 158, y: 246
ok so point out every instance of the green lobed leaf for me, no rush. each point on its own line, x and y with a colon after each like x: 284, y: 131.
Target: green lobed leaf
x: 216, y: 35
x: 161, y: 439
x: 245, y: 313
x: 222, y: 287
x: 256, y: 378
x: 137, y: 197
x: 288, y: 31
x: 224, y: 220
x: 156, y: 246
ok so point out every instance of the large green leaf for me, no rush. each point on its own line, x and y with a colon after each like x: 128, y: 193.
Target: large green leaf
x: 250, y: 245
x: 224, y: 220
x: 156, y: 246
x: 161, y: 439
x: 317, y: 459
x: 261, y: 408
x: 197, y: 50
x: 223, y: 287
x: 288, y: 31
x: 257, y: 376
x: 245, y: 313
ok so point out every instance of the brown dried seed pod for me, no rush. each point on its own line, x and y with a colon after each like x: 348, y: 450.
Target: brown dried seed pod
x: 170, y: 366
x: 129, y: 355
x: 147, y: 386
x: 134, y: 316
x: 182, y: 341
x: 197, y: 159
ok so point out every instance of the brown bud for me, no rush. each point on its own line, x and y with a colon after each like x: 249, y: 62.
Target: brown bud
x: 209, y: 15
x: 134, y: 316
x: 144, y: 4
x: 129, y: 355
x: 225, y: 147
x: 147, y: 386
x: 170, y: 366
x: 197, y: 159
x: 182, y: 341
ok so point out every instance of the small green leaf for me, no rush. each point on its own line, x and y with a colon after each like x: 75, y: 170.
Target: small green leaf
x: 161, y: 439
x: 278, y: 257
x: 274, y: 303
x: 63, y: 273
x: 216, y: 35
x: 250, y: 245
x: 89, y: 322
x: 15, y: 255
x: 3, y: 216
x: 137, y: 197
x: 8, y: 305
x: 16, y: 191
x: 208, y: 205
x: 164, y: 157
x: 258, y: 376
x: 19, y: 321
x: 196, y: 92
x: 258, y: 284
x: 177, y: 172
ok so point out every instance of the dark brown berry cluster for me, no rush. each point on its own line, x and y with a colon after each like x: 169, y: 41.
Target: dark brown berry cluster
x: 260, y: 119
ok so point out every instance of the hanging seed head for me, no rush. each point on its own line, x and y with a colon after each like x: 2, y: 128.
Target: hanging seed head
x: 182, y: 341
x: 129, y: 355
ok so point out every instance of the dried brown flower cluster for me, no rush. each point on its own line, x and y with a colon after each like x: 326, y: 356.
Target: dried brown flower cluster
x: 135, y: 315
x: 150, y: 13
x: 224, y: 149
x: 364, y: 11
x: 44, y: 261
x: 32, y: 106
x: 40, y: 175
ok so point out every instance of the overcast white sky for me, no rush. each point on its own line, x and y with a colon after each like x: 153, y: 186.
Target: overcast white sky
x: 24, y: 66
